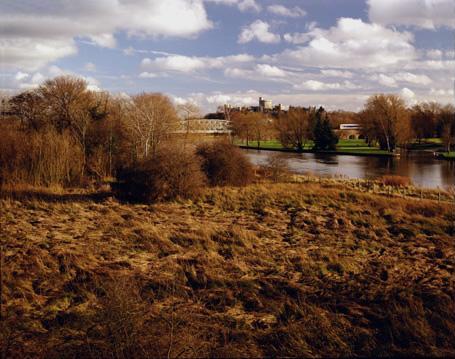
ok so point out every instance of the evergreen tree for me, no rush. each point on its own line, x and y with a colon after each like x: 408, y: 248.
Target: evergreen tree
x: 323, y: 136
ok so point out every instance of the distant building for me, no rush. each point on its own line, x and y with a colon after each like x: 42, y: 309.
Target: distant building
x: 349, y: 131
x: 350, y: 126
x: 265, y: 105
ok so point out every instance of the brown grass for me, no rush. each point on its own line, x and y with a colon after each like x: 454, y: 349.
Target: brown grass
x: 268, y: 270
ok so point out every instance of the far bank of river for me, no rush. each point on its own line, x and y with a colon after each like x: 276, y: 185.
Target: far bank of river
x: 423, y: 168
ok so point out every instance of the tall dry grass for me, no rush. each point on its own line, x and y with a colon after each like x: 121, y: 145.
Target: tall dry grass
x: 271, y: 270
x: 39, y: 158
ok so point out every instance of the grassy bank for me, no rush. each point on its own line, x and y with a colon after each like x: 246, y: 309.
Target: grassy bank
x: 348, y: 147
x: 269, y: 270
x: 449, y: 156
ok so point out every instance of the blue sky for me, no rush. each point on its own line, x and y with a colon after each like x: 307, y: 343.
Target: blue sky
x: 297, y: 52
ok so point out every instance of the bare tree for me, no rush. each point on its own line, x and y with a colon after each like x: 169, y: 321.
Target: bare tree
x: 447, y: 123
x: 295, y: 127
x: 387, y: 119
x: 240, y: 127
x: 69, y: 105
x: 424, y: 119
x: 150, y: 120
x: 29, y: 108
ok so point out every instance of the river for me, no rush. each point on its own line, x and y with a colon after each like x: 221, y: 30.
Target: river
x: 422, y: 168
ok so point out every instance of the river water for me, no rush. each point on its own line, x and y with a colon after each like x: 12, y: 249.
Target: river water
x: 421, y: 167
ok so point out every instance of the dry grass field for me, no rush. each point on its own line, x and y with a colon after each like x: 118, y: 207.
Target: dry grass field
x: 270, y: 270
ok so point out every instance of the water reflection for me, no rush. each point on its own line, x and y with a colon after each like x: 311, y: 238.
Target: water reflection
x: 422, y: 167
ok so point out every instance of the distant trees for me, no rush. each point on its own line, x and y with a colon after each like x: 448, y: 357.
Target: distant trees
x: 386, y: 120
x: 295, y: 127
x: 424, y: 119
x: 252, y: 126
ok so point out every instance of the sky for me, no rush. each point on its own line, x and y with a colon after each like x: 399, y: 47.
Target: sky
x: 334, y: 53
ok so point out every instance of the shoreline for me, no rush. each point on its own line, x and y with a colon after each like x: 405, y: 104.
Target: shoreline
x: 343, y: 153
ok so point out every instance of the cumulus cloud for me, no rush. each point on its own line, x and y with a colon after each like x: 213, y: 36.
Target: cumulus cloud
x: 408, y: 95
x: 270, y: 71
x: 427, y: 14
x: 258, y: 30
x: 385, y: 80
x: 285, y: 11
x: 352, y: 43
x: 33, y: 35
x: 28, y: 81
x: 187, y: 64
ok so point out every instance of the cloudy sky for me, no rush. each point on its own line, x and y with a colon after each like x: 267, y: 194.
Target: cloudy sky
x: 297, y: 52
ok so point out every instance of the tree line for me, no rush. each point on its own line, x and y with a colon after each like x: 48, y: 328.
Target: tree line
x: 385, y: 121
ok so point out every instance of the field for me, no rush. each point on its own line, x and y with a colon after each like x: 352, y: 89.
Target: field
x: 354, y: 147
x: 269, y: 270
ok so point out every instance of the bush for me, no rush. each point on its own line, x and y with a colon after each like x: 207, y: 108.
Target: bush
x: 165, y: 176
x: 395, y: 181
x: 225, y: 164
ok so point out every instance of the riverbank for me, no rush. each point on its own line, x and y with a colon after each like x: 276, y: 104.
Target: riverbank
x: 270, y: 270
x: 345, y: 147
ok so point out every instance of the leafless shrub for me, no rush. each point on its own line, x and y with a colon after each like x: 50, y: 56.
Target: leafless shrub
x: 225, y: 164
x: 276, y: 168
x: 166, y: 176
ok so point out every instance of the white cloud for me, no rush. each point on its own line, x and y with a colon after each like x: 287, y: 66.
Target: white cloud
x: 352, y: 44
x: 148, y: 75
x: 21, y: 76
x: 413, y: 78
x: 337, y: 73
x: 243, y: 5
x: 187, y: 64
x: 33, y: 35
x: 270, y: 71
x: 408, y: 95
x: 297, y: 38
x: 385, y: 80
x: 258, y: 30
x: 314, y: 85
x: 427, y: 14
x: 284, y: 11
x: 434, y: 54
x: 90, y: 66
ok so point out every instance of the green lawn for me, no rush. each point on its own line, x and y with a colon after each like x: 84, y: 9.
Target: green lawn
x: 450, y: 155
x: 344, y: 146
